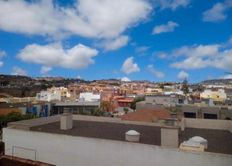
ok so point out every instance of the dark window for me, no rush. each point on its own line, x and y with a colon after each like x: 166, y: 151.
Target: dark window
x: 210, y: 116
x: 189, y: 115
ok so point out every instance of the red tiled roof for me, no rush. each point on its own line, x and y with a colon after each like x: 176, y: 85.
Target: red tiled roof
x: 146, y: 115
x: 126, y: 100
x: 5, y: 111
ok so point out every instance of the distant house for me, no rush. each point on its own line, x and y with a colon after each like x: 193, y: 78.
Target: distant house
x: 89, y: 96
x: 80, y: 107
x: 48, y: 96
x: 218, y: 95
x: 158, y: 101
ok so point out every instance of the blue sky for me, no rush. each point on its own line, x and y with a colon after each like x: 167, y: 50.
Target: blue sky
x: 156, y: 40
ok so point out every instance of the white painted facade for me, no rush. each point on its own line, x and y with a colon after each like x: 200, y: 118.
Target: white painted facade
x: 218, y: 95
x: 89, y: 96
x: 64, y: 150
x: 48, y: 96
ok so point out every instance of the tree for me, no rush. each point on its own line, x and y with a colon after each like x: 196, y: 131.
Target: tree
x: 126, y: 110
x: 138, y: 99
x: 12, y: 117
x: 185, y: 87
x: 106, y: 106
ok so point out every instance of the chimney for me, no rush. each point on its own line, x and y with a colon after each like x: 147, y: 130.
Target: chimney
x: 182, y: 124
x: 66, y: 121
x: 169, y: 136
x: 132, y: 136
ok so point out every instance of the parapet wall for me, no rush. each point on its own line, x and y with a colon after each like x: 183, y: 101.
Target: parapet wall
x: 207, y: 124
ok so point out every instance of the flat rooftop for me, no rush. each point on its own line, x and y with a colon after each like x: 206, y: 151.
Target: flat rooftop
x: 104, y: 130
x: 79, y: 103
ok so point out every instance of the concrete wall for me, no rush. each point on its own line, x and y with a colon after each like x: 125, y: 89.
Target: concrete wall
x: 169, y: 137
x: 63, y: 150
x: 208, y: 124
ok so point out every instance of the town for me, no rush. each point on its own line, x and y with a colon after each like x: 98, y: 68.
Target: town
x: 196, y: 108
x: 115, y: 98
x: 115, y: 82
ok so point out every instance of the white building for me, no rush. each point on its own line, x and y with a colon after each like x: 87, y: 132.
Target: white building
x: 214, y: 94
x: 89, y: 96
x: 48, y: 96
x: 63, y: 91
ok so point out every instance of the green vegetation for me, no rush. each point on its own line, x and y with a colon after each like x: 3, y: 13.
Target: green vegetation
x: 12, y: 117
x: 106, y: 106
x: 126, y: 110
x: 137, y: 99
x: 185, y: 87
x: 97, y: 112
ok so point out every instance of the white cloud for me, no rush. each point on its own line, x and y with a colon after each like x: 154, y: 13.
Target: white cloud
x: 2, y: 53
x: 1, y: 63
x: 182, y: 75
x: 114, y: 44
x: 87, y: 18
x: 172, y: 4
x: 18, y: 71
x: 217, y: 12
x: 202, y: 56
x: 77, y: 57
x: 169, y: 27
x: 125, y: 79
x: 129, y: 66
x: 229, y: 76
x: 155, y: 72
x: 142, y: 49
x: 45, y: 69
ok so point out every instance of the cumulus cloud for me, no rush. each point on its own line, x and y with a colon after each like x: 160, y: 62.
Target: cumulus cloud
x: 202, y: 56
x: 125, y: 79
x: 129, y: 66
x: 217, y: 12
x: 45, y: 69
x: 172, y: 4
x: 18, y: 71
x: 87, y: 18
x: 229, y: 76
x: 169, y: 27
x: 77, y: 57
x: 155, y: 72
x: 182, y: 75
x: 114, y: 44
x: 2, y: 54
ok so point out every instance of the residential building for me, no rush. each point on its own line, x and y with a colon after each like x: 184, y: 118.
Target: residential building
x: 89, y: 96
x: 48, y: 96
x: 147, y: 115
x: 217, y: 95
x: 80, y: 107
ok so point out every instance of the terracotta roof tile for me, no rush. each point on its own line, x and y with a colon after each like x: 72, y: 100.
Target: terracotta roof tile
x: 146, y: 115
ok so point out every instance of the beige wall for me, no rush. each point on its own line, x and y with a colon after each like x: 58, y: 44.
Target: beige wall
x: 208, y: 124
x: 170, y: 137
